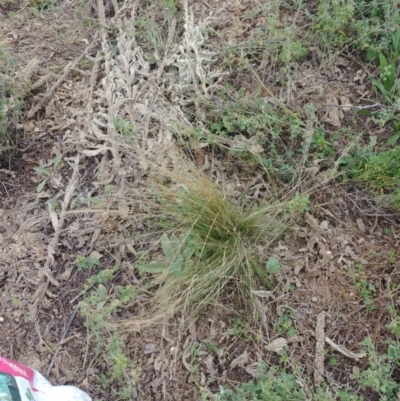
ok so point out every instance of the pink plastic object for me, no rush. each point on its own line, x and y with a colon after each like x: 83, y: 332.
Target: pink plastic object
x: 20, y: 383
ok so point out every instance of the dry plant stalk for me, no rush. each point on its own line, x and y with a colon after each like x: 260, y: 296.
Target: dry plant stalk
x: 43, y: 79
x: 345, y: 351
x: 101, y: 13
x: 29, y: 70
x: 319, y: 349
x: 45, y: 273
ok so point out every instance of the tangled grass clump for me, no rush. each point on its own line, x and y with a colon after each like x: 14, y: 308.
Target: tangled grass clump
x: 217, y: 247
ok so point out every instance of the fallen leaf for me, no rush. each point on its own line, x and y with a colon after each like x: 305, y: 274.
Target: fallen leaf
x: 241, y: 360
x: 277, y: 345
x: 334, y: 113
x: 361, y: 225
x: 53, y: 218
x: 96, y: 255
x: 345, y: 102
x: 299, y: 264
x: 264, y: 294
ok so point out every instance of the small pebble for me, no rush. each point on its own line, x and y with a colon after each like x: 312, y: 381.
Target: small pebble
x: 1, y: 319
x: 314, y: 299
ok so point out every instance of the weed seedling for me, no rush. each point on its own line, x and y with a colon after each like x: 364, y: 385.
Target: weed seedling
x: 86, y: 263
x: 284, y: 325
x: 366, y: 290
x: 240, y: 329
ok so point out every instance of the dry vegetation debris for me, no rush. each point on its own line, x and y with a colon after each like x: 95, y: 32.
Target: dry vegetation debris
x: 96, y: 200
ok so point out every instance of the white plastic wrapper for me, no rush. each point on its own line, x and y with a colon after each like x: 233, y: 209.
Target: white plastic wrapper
x: 20, y: 383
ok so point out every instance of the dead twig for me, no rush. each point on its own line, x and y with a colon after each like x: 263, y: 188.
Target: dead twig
x: 71, y: 319
x: 371, y: 106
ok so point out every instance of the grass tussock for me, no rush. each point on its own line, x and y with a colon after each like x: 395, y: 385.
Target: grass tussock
x: 220, y: 247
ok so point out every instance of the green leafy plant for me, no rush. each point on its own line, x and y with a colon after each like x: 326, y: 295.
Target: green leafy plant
x: 177, y: 254
x: 333, y: 361
x: 378, y: 376
x: 194, y: 354
x: 299, y: 204
x: 272, y: 385
x: 47, y: 174
x: 273, y: 265
x: 333, y: 19
x: 213, y: 348
x: 368, y: 26
x: 394, y: 324
x: 284, y: 325
x: 388, y: 83
x: 320, y: 145
x: 124, y: 127
x: 393, y: 140
x: 366, y: 290
x: 86, y: 262
x: 240, y: 329
x: 97, y: 307
x: 379, y: 173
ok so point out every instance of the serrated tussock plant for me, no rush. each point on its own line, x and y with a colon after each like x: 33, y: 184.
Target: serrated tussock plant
x: 230, y: 246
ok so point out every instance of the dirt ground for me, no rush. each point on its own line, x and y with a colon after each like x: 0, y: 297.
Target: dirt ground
x: 90, y: 205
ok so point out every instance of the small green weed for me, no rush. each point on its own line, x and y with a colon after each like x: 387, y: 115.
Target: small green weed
x: 213, y: 348
x: 333, y: 19
x: 321, y: 146
x: 240, y: 329
x: 177, y: 254
x: 284, y: 325
x: 366, y: 290
x: 388, y: 84
x: 46, y: 174
x: 394, y: 325
x: 392, y: 256
x: 299, y: 204
x: 333, y: 362
x: 378, y: 376
x: 124, y: 127
x: 274, y: 42
x: 86, y: 263
x: 273, y: 265
x: 121, y: 375
x: 364, y: 25
x: 194, y: 354
x: 379, y: 173
x: 271, y: 385
x: 16, y: 300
